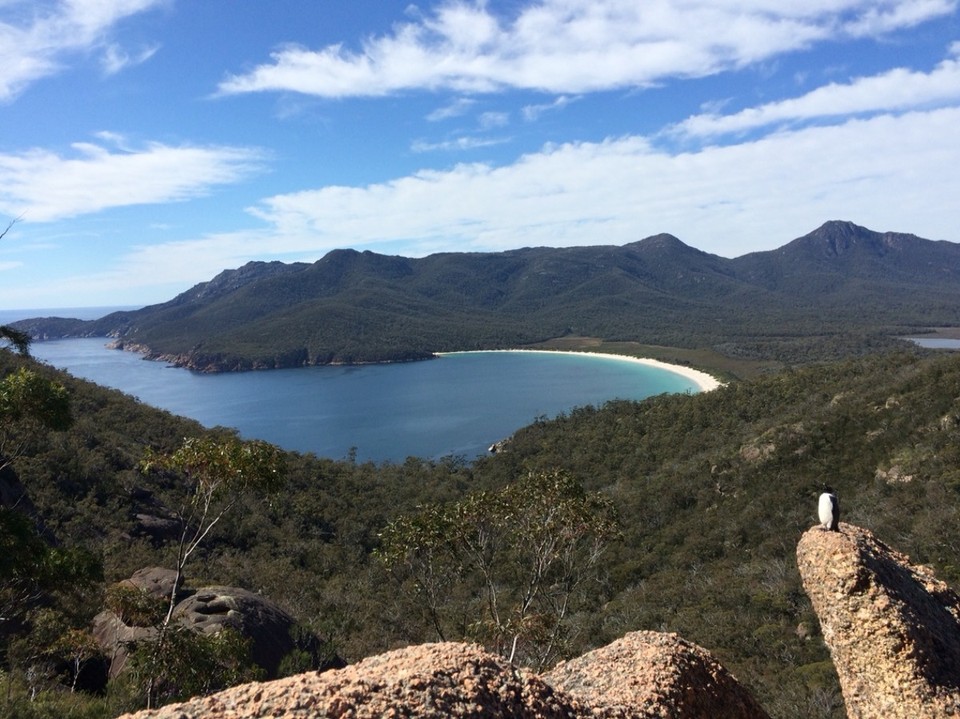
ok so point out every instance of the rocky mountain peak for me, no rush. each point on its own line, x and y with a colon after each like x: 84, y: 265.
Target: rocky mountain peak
x: 838, y: 237
x: 664, y: 243
x: 229, y: 281
x: 892, y: 628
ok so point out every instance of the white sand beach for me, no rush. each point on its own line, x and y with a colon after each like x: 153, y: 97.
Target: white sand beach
x: 705, y: 382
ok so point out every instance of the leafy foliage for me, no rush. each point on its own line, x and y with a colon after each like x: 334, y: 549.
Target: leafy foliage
x: 30, y: 402
x: 20, y: 341
x: 53, y: 650
x: 32, y: 569
x: 193, y: 664
x: 504, y: 567
x: 218, y: 472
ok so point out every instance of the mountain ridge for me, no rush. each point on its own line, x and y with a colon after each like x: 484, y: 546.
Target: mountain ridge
x: 351, y: 306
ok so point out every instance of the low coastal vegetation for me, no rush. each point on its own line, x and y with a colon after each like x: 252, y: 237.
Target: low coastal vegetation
x: 712, y: 492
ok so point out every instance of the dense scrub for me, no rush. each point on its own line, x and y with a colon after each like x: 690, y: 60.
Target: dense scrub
x: 713, y: 492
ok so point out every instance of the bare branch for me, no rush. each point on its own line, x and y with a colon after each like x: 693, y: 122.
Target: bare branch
x: 7, y: 229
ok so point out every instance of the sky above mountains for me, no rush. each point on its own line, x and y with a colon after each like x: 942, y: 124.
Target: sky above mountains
x: 146, y: 145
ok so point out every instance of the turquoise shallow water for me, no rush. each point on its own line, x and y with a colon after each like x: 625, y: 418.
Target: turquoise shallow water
x: 458, y: 404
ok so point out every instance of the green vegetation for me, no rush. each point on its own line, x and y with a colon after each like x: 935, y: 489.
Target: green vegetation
x: 15, y: 338
x: 29, y: 404
x: 183, y: 663
x: 216, y: 474
x: 712, y: 491
x: 504, y: 568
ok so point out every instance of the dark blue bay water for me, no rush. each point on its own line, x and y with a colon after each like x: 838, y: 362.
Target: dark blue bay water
x: 458, y: 404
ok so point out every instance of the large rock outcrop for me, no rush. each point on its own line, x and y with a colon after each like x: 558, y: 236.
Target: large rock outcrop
x: 657, y: 675
x: 463, y: 680
x: 271, y: 630
x: 892, y: 628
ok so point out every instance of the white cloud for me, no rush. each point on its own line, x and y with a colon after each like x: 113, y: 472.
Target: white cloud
x: 459, y: 107
x: 490, y: 120
x: 44, y: 186
x: 883, y: 172
x: 458, y: 144
x: 115, y: 58
x: 532, y: 113
x: 727, y: 200
x: 37, y: 36
x: 570, y: 46
x: 896, y: 90
x: 888, y: 16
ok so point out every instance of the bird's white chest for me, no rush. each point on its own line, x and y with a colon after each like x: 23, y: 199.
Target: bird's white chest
x: 825, y: 509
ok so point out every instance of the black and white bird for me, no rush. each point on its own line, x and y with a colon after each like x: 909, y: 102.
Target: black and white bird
x: 829, y: 511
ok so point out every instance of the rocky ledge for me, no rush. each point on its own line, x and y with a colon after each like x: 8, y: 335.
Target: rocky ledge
x: 892, y: 628
x: 652, y: 674
x: 641, y: 676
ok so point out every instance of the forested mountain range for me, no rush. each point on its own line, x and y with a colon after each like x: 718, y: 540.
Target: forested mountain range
x: 812, y: 298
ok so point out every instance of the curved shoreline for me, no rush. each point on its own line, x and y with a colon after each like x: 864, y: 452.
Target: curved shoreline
x: 705, y: 382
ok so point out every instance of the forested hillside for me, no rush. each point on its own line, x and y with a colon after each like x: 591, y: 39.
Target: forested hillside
x: 712, y: 493
x: 839, y: 289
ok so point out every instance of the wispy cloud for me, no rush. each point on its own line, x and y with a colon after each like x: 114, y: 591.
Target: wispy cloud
x: 573, y: 46
x: 895, y: 90
x: 459, y: 107
x: 38, y: 36
x: 490, y: 120
x: 457, y: 144
x: 115, y: 58
x: 884, y: 17
x: 43, y: 186
x: 531, y: 113
x: 722, y: 199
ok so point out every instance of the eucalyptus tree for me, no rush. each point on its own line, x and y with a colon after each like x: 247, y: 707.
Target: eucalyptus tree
x: 30, y: 404
x: 215, y: 475
x: 505, y: 568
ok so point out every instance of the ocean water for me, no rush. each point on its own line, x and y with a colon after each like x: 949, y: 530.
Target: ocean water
x: 458, y: 404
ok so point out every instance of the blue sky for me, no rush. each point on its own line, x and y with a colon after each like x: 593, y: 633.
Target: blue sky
x: 146, y: 145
